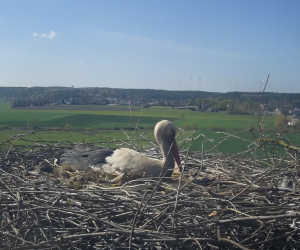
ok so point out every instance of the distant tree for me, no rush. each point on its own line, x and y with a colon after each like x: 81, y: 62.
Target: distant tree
x: 222, y: 105
x: 285, y: 111
x: 187, y: 126
x: 281, y: 122
x: 4, y: 126
x: 35, y: 124
x: 295, y: 129
x: 68, y: 127
x: 240, y: 109
x: 195, y: 126
x: 22, y: 96
x: 274, y: 104
x: 236, y: 108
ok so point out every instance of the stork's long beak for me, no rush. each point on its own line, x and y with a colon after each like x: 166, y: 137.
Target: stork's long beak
x: 176, y: 154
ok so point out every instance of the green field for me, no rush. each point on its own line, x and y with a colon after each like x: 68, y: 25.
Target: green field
x: 63, y: 136
x: 51, y: 120
x: 213, y: 141
x: 107, y: 119
x: 105, y: 126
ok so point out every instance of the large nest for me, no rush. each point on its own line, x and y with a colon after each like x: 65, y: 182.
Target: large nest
x: 219, y: 202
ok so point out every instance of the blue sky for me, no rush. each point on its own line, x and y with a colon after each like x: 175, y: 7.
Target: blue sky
x: 154, y: 44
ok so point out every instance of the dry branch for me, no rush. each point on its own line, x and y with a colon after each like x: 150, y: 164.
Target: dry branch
x: 218, y: 202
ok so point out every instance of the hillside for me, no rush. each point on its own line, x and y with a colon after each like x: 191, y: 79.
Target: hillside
x: 53, y: 94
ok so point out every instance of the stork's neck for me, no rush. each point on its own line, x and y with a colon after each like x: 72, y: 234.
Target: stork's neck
x: 167, y: 153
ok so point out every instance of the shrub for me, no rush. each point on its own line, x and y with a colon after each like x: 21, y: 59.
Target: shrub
x: 195, y: 125
x: 295, y: 129
x: 69, y: 127
x: 215, y: 128
x: 250, y: 127
x: 187, y: 126
x: 281, y: 122
x: 4, y: 126
x: 35, y: 124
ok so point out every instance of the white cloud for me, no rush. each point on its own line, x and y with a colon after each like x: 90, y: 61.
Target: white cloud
x: 50, y: 35
x: 80, y: 62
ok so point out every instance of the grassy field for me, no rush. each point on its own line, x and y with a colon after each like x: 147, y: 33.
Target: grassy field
x: 225, y: 142
x: 108, y: 119
x: 208, y: 125
x: 63, y: 136
x: 79, y: 120
x: 108, y: 137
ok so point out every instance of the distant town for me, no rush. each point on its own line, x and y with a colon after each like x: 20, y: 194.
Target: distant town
x: 231, y: 102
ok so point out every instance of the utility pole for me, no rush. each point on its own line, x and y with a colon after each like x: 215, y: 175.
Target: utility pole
x: 199, y: 83
x: 260, y: 86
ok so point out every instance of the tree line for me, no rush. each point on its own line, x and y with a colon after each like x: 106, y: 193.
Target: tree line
x: 233, y: 102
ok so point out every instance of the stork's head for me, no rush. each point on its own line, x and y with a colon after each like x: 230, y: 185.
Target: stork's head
x: 165, y: 132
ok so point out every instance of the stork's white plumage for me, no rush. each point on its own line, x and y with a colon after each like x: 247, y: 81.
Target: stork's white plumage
x: 124, y: 160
